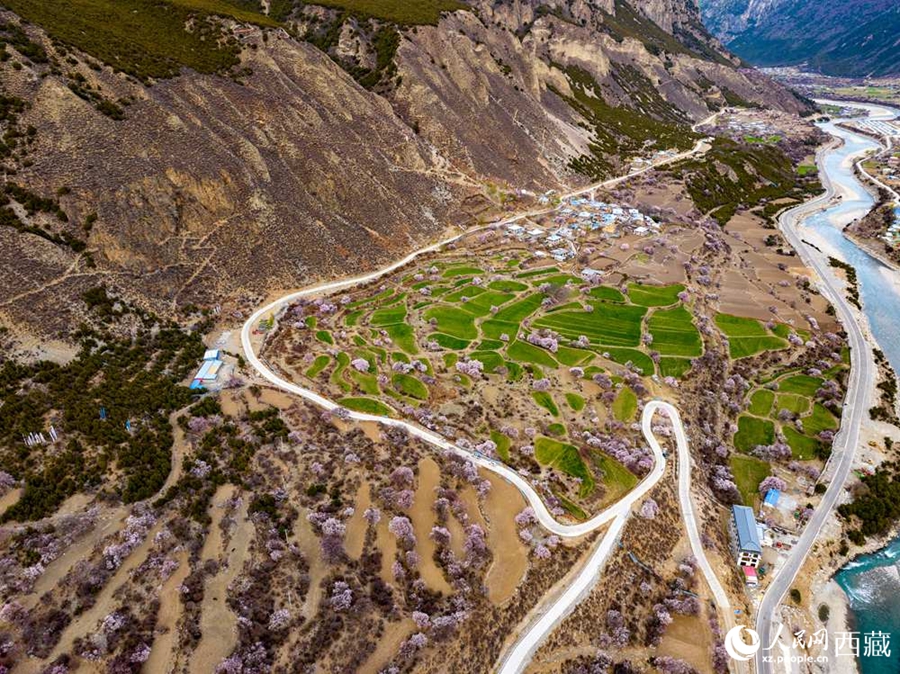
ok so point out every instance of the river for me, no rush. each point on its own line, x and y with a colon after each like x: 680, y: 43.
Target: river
x: 871, y: 582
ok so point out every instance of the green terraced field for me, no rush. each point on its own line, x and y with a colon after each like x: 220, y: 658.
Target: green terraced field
x: 543, y: 271
x: 802, y: 447
x: 624, y: 356
x: 607, y: 294
x: 565, y: 458
x: 409, y: 386
x: 453, y: 321
x: 617, y: 479
x: 389, y: 316
x: 747, y: 336
x: 761, y: 403
x: 367, y: 405
x: 507, y: 286
x: 319, y: 364
x: 674, y: 367
x: 674, y: 333
x: 609, y: 324
x: 792, y: 403
x: 748, y: 472
x: 524, y: 352
x: 503, y: 443
x: 654, y: 296
x: 752, y: 432
x: 453, y: 272
x: 404, y: 337
x: 819, y: 420
x: 801, y: 384
x: 575, y: 401
x: 449, y: 342
x: 625, y: 405
x: 517, y: 311
x: 545, y: 400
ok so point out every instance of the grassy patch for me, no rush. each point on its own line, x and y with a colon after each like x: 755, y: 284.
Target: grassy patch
x: 608, y: 324
x: 449, y: 342
x: 637, y: 358
x: 802, y: 384
x: 524, y: 352
x: 545, y: 400
x: 565, y: 458
x: 674, y: 367
x: 761, y: 402
x: 367, y: 383
x: 570, y: 356
x: 748, y: 472
x: 409, y: 386
x: 575, y: 401
x: 388, y: 316
x: 464, y: 270
x: 490, y: 359
x: 319, y: 364
x: 337, y: 376
x: 747, y: 336
x: 624, y: 406
x: 503, y: 443
x: 617, y: 479
x: 325, y: 337
x: 453, y: 321
x: 367, y: 406
x: 792, y: 403
x: 653, y: 296
x: 802, y: 447
x: 517, y: 311
x: 507, y: 286
x: 606, y: 293
x: 556, y: 429
x: 820, y: 420
x: 403, y: 336
x: 538, y: 272
x: 147, y: 39
x: 753, y: 431
x: 674, y: 333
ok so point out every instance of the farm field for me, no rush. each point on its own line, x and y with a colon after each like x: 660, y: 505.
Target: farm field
x: 497, y: 349
x: 747, y: 336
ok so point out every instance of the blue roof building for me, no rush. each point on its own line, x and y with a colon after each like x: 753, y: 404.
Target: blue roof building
x: 745, y: 536
x: 771, y: 498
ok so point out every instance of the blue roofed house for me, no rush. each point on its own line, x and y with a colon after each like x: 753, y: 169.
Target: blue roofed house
x: 771, y: 499
x: 745, y: 536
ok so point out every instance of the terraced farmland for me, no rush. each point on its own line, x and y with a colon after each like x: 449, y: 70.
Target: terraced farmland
x: 747, y: 336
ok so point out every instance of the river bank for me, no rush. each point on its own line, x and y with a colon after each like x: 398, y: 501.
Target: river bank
x: 852, y: 588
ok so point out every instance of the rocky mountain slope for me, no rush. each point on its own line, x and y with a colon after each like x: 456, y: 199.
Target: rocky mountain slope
x: 835, y: 37
x: 212, y: 151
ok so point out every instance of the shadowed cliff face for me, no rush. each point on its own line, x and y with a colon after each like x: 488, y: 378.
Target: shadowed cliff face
x: 212, y: 188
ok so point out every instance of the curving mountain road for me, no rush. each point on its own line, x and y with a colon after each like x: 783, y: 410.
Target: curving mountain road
x: 518, y: 657
x: 855, y: 408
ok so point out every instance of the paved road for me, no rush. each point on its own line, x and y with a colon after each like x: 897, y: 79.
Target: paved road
x: 854, y: 411
x: 535, y: 633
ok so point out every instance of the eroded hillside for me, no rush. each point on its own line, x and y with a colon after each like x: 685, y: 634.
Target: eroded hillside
x: 315, y: 140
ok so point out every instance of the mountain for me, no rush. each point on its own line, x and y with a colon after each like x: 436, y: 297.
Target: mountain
x: 859, y: 38
x: 191, y: 153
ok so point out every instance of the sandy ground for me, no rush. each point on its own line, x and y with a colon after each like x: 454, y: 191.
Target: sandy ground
x: 161, y: 658
x: 423, y: 518
x: 510, y: 555
x: 217, y: 621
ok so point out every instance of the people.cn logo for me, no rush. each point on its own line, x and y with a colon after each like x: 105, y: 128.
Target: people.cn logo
x: 738, y: 648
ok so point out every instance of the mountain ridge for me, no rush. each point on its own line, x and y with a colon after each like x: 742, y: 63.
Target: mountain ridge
x: 848, y: 38
x: 314, y: 153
